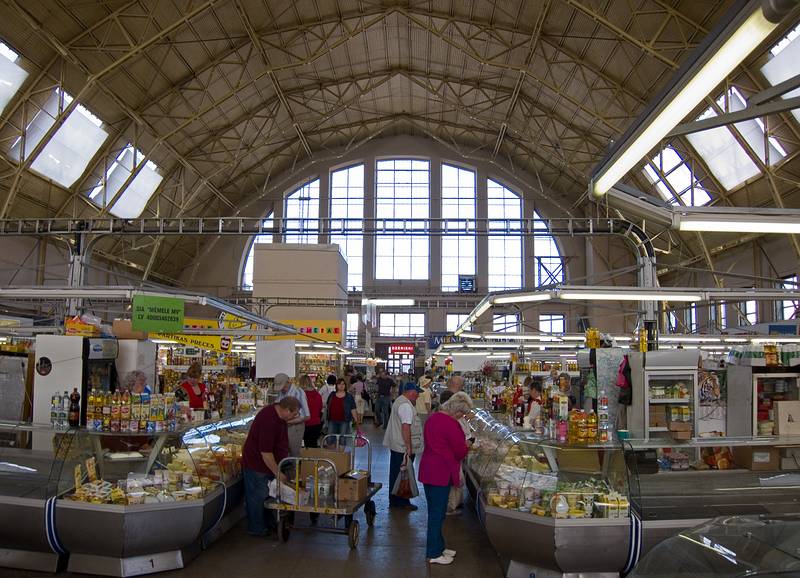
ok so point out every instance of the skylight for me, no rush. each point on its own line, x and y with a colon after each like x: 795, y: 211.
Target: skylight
x: 66, y: 155
x: 132, y: 201
x: 11, y: 75
x: 725, y: 156
x: 783, y: 64
x: 8, y: 53
x: 678, y: 185
x: 785, y: 41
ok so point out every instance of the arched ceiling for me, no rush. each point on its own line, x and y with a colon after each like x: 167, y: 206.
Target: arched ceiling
x: 225, y: 95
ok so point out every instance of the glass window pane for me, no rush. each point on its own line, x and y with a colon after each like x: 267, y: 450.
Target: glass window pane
x: 12, y: 75
x: 247, y: 273
x: 302, y: 214
x: 403, y: 194
x: 347, y: 203
x: 458, y: 202
x: 505, y: 252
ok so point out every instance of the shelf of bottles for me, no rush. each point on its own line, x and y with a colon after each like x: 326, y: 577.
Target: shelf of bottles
x: 315, y: 365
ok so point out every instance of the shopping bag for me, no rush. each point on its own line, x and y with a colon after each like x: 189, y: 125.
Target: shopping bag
x: 406, y: 484
x: 361, y: 439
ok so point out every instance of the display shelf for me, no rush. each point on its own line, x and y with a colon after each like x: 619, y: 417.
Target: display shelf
x: 675, y: 401
x: 547, y: 373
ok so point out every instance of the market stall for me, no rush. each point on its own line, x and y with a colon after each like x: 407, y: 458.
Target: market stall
x: 119, y: 504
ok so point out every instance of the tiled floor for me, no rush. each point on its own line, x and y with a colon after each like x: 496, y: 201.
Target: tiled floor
x: 393, y: 547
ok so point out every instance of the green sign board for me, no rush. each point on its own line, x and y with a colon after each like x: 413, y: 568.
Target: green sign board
x: 157, y: 314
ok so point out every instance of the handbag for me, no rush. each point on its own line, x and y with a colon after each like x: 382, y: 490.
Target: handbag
x: 405, y: 486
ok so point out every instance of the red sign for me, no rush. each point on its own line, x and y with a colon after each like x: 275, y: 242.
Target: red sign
x: 407, y: 348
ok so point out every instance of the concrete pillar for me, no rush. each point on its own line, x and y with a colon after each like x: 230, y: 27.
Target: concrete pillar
x: 324, y: 205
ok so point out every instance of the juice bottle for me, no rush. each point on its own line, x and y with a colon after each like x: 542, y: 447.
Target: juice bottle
x: 591, y: 422
x: 115, y: 412
x: 582, y: 427
x: 125, y: 412
x: 106, y: 411
x: 144, y: 412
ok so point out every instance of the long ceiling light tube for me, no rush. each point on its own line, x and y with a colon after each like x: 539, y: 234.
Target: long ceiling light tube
x: 745, y: 37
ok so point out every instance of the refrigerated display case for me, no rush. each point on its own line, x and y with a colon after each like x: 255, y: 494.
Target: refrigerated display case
x: 665, y: 399
x: 752, y: 392
x: 559, y: 497
x: 29, y: 481
x: 122, y: 504
x: 671, y: 491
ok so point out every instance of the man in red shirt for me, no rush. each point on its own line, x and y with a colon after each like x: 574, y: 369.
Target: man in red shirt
x: 266, y: 445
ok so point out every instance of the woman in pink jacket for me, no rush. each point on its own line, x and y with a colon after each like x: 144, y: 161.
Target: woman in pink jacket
x: 440, y: 468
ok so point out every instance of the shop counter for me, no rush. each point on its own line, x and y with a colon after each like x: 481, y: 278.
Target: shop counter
x: 118, y: 504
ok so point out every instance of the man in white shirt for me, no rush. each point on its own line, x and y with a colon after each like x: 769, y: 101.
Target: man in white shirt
x: 297, y: 425
x: 404, y: 439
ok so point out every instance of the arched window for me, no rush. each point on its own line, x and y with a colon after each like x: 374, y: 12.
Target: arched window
x: 402, y: 192
x: 505, y: 251
x: 302, y: 214
x: 548, y: 265
x: 347, y: 211
x: 247, y: 272
x: 458, y: 202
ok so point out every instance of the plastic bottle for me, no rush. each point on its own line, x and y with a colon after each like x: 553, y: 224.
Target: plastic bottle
x: 125, y: 412
x: 63, y: 412
x: 55, y: 409
x: 106, y: 410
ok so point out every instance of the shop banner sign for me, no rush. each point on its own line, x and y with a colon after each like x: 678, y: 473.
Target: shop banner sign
x: 402, y: 348
x: 330, y: 330
x: 157, y: 314
x: 221, y: 343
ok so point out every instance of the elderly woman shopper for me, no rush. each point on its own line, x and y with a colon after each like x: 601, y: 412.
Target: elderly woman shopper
x: 440, y: 468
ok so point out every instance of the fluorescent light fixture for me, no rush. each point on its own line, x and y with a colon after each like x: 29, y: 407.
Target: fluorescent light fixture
x: 470, y: 335
x: 775, y: 339
x: 689, y: 339
x: 735, y: 340
x: 492, y: 345
x: 728, y: 56
x: 499, y: 356
x: 621, y: 338
x: 317, y: 353
x: 523, y: 336
x: 302, y: 345
x: 482, y: 308
x: 522, y: 298
x: 743, y: 225
x: 621, y: 295
x: 574, y: 337
x: 389, y: 302
x: 244, y: 342
x: 164, y: 341
x: 470, y: 353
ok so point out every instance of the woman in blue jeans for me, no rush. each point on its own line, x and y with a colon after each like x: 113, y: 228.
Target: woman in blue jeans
x: 341, y: 410
x: 440, y: 468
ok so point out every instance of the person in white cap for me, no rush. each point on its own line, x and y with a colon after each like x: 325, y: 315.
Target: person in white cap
x: 297, y: 425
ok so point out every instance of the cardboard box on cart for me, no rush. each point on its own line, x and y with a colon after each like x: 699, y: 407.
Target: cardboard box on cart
x: 353, y: 486
x: 340, y: 459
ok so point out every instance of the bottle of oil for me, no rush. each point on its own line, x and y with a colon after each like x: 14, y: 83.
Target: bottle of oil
x: 106, y: 410
x: 115, y: 412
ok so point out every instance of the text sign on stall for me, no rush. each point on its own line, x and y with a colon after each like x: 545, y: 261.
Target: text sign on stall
x: 221, y: 343
x: 157, y: 314
x: 403, y: 348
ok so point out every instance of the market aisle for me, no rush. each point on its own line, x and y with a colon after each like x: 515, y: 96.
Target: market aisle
x: 394, y: 547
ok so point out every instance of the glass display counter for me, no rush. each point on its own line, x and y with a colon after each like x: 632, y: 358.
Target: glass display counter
x: 560, y: 497
x: 29, y: 481
x: 122, y: 504
x: 678, y: 485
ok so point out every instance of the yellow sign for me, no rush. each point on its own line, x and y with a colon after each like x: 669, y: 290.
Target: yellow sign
x: 330, y: 330
x: 237, y: 324
x: 222, y: 343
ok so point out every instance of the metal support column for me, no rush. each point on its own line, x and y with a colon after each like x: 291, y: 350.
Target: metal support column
x: 75, y: 276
